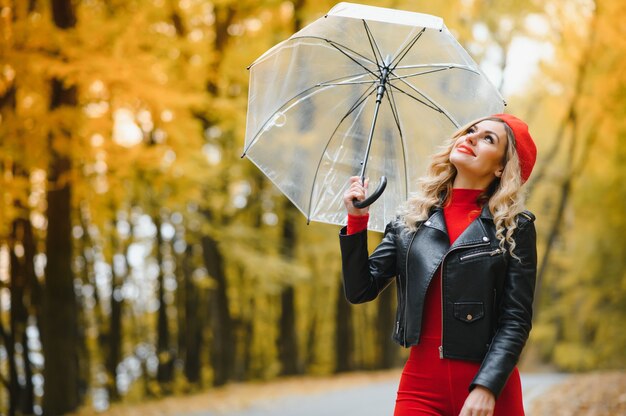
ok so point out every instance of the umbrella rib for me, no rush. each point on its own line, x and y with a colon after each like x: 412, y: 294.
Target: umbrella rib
x: 446, y: 68
x: 448, y: 65
x: 334, y: 45
x: 426, y: 97
x: 368, y: 92
x: 373, y: 45
x: 394, y: 110
x: 417, y: 74
x: 347, y: 83
x: 341, y: 48
x: 286, y: 104
x: 431, y: 104
x: 356, y: 104
x: 407, y: 48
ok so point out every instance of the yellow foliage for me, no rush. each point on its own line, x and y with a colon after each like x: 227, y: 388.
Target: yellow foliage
x: 574, y: 357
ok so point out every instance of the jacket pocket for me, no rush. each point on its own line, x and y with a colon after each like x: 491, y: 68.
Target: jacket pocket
x: 469, y: 311
x: 479, y: 254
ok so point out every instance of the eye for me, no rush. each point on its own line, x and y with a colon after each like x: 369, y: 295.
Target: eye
x: 490, y: 139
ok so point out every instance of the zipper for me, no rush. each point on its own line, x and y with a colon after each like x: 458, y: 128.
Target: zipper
x: 442, y: 301
x: 480, y: 254
x: 406, y: 285
x: 443, y: 274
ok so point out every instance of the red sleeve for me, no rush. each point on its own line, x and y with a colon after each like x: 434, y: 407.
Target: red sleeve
x: 357, y: 223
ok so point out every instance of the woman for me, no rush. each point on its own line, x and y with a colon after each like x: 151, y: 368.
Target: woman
x: 463, y: 255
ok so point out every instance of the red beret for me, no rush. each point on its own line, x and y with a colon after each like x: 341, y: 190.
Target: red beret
x: 526, y: 149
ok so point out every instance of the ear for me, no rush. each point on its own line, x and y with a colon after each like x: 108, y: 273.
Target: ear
x: 499, y: 173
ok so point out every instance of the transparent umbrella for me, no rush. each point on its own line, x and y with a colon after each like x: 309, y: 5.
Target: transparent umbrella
x: 361, y: 91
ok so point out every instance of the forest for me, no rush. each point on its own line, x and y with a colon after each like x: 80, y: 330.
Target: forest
x: 141, y: 257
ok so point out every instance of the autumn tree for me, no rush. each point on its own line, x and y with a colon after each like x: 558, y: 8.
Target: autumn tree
x: 580, y: 297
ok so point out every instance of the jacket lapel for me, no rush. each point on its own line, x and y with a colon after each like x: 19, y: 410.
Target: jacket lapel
x: 475, y: 233
x: 437, y: 221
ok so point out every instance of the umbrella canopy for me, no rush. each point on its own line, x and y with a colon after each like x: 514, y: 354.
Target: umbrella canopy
x: 316, y: 98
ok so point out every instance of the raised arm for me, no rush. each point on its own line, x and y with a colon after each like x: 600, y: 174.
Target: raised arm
x: 364, y: 276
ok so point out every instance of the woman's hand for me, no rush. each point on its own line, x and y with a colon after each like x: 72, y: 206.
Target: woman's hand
x: 480, y: 402
x: 357, y: 191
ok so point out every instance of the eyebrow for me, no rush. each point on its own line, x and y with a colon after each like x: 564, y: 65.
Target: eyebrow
x: 491, y: 132
x: 487, y: 131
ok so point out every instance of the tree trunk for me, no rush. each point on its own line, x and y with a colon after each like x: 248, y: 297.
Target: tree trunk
x: 165, y: 369
x: 309, y: 359
x: 224, y: 17
x: 59, y: 309
x: 27, y: 400
x: 63, y: 14
x: 344, y: 340
x: 115, y: 341
x: 180, y: 297
x: 12, y: 385
x: 248, y: 328
x: 194, y: 323
x: 222, y: 351
x: 114, y: 338
x: 14, y: 389
x: 21, y: 395
x: 298, y: 14
x: 60, y: 312
x: 28, y: 240
x: 385, y: 325
x: 287, y: 339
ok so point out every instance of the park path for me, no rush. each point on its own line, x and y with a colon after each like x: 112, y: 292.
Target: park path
x: 371, y: 398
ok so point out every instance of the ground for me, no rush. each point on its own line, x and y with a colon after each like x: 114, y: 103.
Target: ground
x: 237, y: 396
x: 591, y: 394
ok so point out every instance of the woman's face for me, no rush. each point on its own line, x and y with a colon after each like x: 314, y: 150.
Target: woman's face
x: 478, y: 155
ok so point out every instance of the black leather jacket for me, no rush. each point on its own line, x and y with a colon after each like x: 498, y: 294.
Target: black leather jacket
x: 487, y: 294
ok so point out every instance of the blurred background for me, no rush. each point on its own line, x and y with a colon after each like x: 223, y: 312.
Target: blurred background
x: 140, y: 257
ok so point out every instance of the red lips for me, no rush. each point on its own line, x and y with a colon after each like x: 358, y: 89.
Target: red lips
x: 464, y: 149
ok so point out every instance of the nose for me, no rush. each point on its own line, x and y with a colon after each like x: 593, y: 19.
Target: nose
x: 471, y: 137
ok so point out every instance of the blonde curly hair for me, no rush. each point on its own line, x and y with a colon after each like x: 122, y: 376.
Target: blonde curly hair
x: 504, y: 195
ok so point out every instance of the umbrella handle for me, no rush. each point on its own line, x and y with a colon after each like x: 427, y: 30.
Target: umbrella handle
x: 374, y: 196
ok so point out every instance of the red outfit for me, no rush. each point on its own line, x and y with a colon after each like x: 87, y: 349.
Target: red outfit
x: 431, y: 385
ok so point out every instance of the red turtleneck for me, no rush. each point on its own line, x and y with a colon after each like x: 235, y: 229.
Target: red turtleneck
x: 461, y: 210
